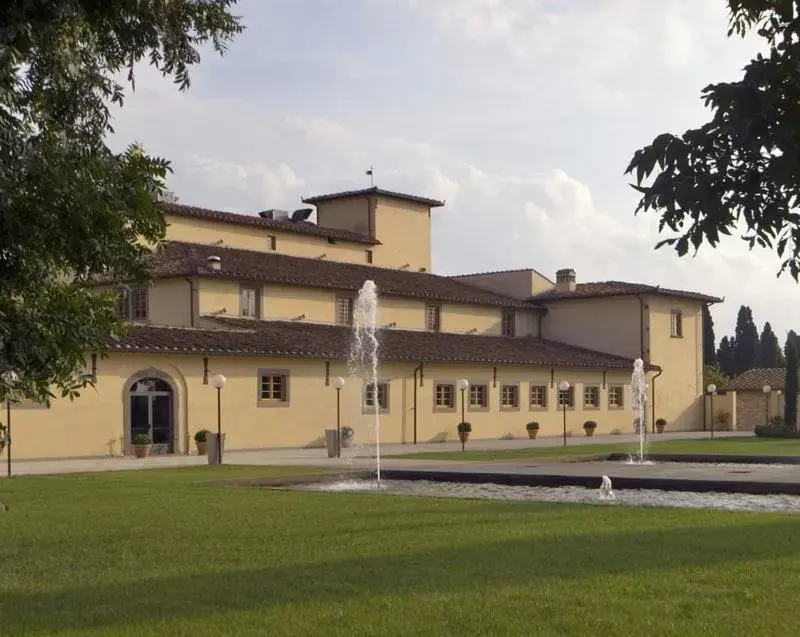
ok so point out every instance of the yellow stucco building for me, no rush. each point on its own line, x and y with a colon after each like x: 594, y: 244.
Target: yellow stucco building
x: 267, y: 300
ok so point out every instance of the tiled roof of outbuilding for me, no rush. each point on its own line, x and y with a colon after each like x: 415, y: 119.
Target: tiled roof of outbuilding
x: 619, y: 288
x: 755, y: 379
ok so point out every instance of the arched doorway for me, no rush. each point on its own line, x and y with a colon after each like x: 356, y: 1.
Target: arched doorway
x: 151, y: 411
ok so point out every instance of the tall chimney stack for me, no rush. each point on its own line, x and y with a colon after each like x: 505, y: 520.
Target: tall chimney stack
x: 565, y: 280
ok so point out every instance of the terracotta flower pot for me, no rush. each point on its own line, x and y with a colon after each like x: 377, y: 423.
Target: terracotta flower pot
x: 463, y: 436
x: 660, y: 428
x: 202, y: 447
x: 589, y: 431
x: 142, y: 451
x: 532, y: 433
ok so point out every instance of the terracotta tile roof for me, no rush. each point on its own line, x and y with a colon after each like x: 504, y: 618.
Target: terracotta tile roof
x: 249, y: 337
x: 755, y: 379
x: 433, y: 203
x: 620, y: 288
x: 295, y: 227
x: 190, y: 259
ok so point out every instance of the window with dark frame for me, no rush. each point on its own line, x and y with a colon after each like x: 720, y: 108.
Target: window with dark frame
x: 433, y: 318
x: 508, y: 322
x: 509, y: 396
x: 132, y: 303
x: 344, y: 310
x: 591, y: 396
x: 383, y: 396
x: 273, y: 388
x: 538, y: 396
x: 615, y: 396
x: 445, y: 395
x: 478, y: 396
x: 249, y: 301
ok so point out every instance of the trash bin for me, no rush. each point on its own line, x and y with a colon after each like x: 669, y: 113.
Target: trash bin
x: 330, y: 442
x: 211, y: 448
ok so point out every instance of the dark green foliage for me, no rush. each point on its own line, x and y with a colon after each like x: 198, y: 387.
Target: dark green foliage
x: 590, y: 424
x: 70, y: 208
x: 725, y: 355
x: 142, y: 439
x: 532, y: 425
x: 746, y: 345
x: 200, y: 436
x: 709, y: 342
x: 741, y: 170
x: 790, y: 388
x: 773, y: 431
x: 713, y: 376
x: 770, y: 354
x: 464, y: 427
x: 793, y: 338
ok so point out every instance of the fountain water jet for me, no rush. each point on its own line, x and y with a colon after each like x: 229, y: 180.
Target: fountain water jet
x: 639, y: 392
x: 606, y: 490
x: 364, y: 352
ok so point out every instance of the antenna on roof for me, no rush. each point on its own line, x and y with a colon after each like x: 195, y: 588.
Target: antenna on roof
x: 371, y: 176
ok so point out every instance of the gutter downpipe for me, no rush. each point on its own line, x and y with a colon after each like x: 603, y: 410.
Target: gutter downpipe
x: 641, y: 326
x: 419, y: 368
x: 653, y: 400
x: 191, y: 300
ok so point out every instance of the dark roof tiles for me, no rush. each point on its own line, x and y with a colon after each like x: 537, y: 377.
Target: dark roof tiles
x: 619, y: 288
x: 374, y: 190
x: 755, y: 379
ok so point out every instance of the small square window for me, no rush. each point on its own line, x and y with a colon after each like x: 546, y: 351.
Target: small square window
x: 273, y: 388
x: 445, y: 395
x: 433, y: 318
x: 615, y: 397
x: 508, y: 323
x: 478, y: 396
x: 538, y: 396
x: 676, y: 324
x: 383, y: 396
x: 566, y: 397
x: 509, y: 396
x: 344, y: 310
x: 591, y: 396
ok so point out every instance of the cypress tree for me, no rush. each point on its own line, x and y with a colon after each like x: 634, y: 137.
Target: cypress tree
x: 709, y: 344
x: 790, y: 387
x: 725, y: 355
x: 745, y: 349
x: 770, y: 354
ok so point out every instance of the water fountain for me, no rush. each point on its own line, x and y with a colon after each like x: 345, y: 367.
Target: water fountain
x: 638, y: 403
x: 606, y: 491
x: 364, y: 353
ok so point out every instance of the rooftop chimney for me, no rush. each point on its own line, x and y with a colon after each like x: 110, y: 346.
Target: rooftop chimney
x: 565, y: 280
x: 214, y: 262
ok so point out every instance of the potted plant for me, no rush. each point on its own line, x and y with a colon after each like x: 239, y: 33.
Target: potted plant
x: 200, y: 441
x: 347, y: 434
x: 464, y: 429
x: 661, y: 423
x: 588, y: 427
x: 142, y: 443
x: 533, y: 429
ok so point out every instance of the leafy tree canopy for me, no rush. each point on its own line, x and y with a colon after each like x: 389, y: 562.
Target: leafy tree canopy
x: 70, y: 209
x: 743, y: 166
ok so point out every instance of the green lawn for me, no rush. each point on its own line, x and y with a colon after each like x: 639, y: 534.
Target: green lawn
x: 164, y: 552
x: 577, y: 451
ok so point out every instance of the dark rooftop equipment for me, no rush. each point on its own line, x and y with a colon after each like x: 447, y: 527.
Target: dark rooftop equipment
x: 301, y: 214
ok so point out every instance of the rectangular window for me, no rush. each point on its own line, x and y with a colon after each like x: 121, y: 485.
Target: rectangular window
x: 591, y: 396
x: 676, y: 324
x: 132, y: 303
x: 445, y: 395
x: 344, y: 310
x: 383, y: 396
x: 566, y: 397
x: 478, y: 396
x: 249, y: 301
x: 539, y: 396
x: 508, y: 323
x: 368, y: 255
x: 433, y: 318
x: 273, y: 387
x: 509, y: 396
x: 615, y: 397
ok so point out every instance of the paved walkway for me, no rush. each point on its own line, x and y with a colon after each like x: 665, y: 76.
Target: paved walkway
x: 361, y: 457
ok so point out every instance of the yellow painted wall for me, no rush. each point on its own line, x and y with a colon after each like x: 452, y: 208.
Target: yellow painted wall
x: 254, y: 238
x: 354, y: 214
x: 216, y: 295
x: 518, y: 284
x: 404, y: 230
x: 609, y: 325
x: 170, y: 302
x: 93, y: 425
x: 679, y: 388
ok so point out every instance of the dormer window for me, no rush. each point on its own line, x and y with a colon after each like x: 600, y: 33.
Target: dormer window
x: 508, y: 323
x: 433, y: 318
x: 132, y: 303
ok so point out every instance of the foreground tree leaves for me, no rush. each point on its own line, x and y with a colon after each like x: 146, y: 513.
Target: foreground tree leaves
x: 70, y: 209
x: 742, y: 167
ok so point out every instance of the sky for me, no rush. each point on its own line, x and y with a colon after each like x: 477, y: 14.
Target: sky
x: 521, y: 114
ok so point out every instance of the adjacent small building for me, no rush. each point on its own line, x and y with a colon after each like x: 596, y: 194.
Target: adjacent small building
x: 267, y: 300
x: 753, y: 397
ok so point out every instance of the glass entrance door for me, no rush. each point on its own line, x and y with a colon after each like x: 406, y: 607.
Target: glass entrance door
x: 151, y: 413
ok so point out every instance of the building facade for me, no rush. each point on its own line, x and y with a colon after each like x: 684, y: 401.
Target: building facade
x: 267, y: 300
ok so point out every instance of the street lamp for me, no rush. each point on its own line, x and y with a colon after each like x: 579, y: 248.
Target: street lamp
x: 712, y: 389
x: 463, y: 385
x: 10, y: 378
x: 766, y: 389
x: 338, y: 383
x: 563, y: 386
x: 218, y: 382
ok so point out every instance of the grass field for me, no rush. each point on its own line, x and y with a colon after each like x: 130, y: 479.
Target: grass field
x: 576, y: 450
x: 165, y: 552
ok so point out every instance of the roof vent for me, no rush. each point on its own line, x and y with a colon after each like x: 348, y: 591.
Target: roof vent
x: 565, y: 280
x: 274, y: 214
x: 214, y: 262
x: 301, y: 214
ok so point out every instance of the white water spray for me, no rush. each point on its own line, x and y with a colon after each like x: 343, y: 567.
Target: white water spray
x: 606, y: 490
x: 364, y: 352
x: 639, y: 392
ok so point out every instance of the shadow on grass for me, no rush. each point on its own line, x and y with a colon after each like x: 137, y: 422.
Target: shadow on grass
x: 461, y: 570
